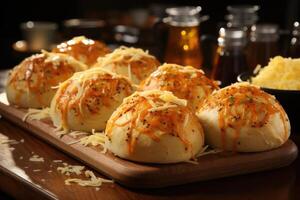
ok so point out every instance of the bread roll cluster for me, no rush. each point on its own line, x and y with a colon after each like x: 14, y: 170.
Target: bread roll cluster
x: 175, y: 112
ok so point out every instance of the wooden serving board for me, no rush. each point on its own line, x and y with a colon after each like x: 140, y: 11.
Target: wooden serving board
x: 139, y: 175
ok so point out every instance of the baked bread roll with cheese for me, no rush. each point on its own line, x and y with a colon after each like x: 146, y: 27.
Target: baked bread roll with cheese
x: 243, y: 118
x: 86, y: 100
x: 133, y: 63
x: 83, y: 49
x: 185, y: 82
x: 30, y: 84
x: 154, y: 127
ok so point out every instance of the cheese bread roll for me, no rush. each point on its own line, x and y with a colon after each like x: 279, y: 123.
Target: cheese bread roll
x: 30, y: 84
x: 83, y: 49
x: 86, y: 100
x: 133, y: 63
x: 243, y: 118
x: 185, y: 82
x: 154, y: 127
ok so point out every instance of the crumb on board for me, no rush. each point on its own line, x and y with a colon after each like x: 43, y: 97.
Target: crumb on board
x: 36, y: 158
x: 93, y: 181
x: 57, y: 161
x: 69, y: 169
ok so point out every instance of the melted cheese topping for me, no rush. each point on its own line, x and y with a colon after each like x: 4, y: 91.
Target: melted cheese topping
x: 86, y: 92
x: 280, y: 73
x: 83, y: 49
x: 184, y: 81
x: 39, y: 73
x: 241, y: 105
x: 136, y: 61
x: 163, y: 115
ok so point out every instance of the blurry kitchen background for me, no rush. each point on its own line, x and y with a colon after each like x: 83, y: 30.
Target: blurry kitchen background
x: 126, y: 22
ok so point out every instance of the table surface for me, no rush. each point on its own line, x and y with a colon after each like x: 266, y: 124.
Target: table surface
x: 23, y: 179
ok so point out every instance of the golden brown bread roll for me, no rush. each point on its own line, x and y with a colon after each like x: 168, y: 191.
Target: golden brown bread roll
x: 185, y: 82
x: 30, y: 84
x: 243, y: 118
x: 154, y: 127
x: 133, y: 63
x: 83, y: 49
x: 86, y: 100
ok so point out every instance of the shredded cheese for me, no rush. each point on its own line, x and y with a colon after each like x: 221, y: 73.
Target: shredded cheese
x: 69, y: 169
x: 133, y: 54
x: 36, y: 158
x: 169, y: 97
x: 95, y: 139
x: 6, y: 140
x: 37, y: 114
x: 160, y: 108
x: 75, y: 134
x: 57, y: 161
x: 280, y: 73
x: 92, y: 181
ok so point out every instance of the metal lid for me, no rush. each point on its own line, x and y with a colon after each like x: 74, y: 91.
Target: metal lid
x: 296, y: 29
x: 237, y: 9
x: 242, y: 15
x: 183, y: 16
x: 234, y: 37
x: 264, y: 32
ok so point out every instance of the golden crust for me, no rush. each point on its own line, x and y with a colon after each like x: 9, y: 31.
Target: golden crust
x: 83, y: 49
x: 133, y: 63
x: 185, y: 82
x: 30, y: 84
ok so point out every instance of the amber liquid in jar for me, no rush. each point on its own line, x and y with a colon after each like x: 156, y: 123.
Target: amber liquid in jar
x: 228, y: 64
x: 183, y: 46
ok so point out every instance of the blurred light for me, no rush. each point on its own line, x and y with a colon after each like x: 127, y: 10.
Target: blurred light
x: 185, y: 47
x: 30, y: 24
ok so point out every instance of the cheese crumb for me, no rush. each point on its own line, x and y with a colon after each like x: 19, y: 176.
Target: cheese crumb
x: 36, y: 158
x: 93, y: 181
x: 37, y: 114
x: 68, y: 169
x: 95, y: 139
x: 57, y: 161
x: 6, y: 140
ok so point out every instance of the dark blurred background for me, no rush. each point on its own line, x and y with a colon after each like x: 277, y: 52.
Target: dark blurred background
x: 118, y: 12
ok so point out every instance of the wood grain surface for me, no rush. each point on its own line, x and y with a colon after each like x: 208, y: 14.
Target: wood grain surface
x: 152, y: 176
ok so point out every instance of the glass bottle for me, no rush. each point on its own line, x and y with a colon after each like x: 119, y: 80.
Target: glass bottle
x: 183, y: 43
x: 263, y: 44
x: 294, y: 48
x: 230, y: 58
x: 242, y: 16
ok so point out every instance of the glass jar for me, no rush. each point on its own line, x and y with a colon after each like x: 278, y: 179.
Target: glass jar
x: 242, y: 16
x: 263, y: 44
x: 183, y: 41
x: 294, y: 48
x: 230, y: 58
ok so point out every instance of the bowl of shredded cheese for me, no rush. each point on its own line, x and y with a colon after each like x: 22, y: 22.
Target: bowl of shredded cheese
x: 281, y: 78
